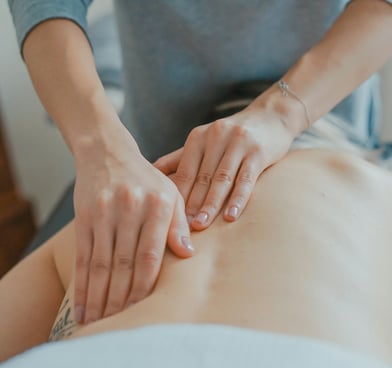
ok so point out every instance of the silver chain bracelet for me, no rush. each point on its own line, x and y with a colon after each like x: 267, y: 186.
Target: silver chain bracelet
x: 286, y: 91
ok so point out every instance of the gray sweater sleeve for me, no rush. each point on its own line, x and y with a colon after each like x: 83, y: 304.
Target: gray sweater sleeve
x: 27, y: 14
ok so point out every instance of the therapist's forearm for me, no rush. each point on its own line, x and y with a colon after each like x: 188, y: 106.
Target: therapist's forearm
x: 62, y: 68
x: 354, y: 48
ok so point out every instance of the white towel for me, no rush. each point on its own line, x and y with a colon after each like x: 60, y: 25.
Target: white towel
x: 191, y: 346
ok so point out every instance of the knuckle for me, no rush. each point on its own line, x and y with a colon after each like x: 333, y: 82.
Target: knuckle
x: 81, y: 263
x: 103, y: 199
x: 223, y: 176
x: 100, y: 265
x: 149, y: 258
x: 125, y: 196
x: 183, y: 176
x: 240, y: 131
x: 258, y: 151
x: 195, y: 133
x: 123, y: 262
x: 219, y: 126
x: 204, y: 178
x: 158, y: 199
x: 246, y: 177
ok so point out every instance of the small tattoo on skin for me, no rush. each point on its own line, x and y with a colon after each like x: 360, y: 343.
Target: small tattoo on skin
x: 64, y: 325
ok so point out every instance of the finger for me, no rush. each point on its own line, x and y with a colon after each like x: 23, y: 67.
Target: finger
x: 168, y: 164
x: 150, y: 248
x: 178, y: 239
x: 221, y: 186
x: 123, y: 262
x: 84, y: 245
x: 245, y: 182
x: 189, y: 163
x: 99, y: 272
x: 212, y: 157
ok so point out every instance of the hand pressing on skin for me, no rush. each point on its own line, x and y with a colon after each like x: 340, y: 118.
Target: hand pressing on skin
x: 125, y: 212
x: 220, y: 162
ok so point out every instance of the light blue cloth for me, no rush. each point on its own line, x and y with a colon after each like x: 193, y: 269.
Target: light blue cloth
x: 181, y: 56
x: 192, y: 346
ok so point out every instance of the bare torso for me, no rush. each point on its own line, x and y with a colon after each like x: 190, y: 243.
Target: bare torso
x: 310, y: 256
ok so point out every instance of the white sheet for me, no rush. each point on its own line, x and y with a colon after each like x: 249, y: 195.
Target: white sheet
x: 191, y: 346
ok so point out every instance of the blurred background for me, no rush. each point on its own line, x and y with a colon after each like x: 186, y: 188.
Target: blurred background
x: 42, y: 164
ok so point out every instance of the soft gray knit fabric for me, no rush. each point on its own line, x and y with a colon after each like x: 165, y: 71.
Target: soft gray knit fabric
x: 181, y: 56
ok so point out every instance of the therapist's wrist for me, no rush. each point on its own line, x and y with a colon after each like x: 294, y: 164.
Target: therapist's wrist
x: 93, y: 125
x: 103, y: 140
x: 290, y: 110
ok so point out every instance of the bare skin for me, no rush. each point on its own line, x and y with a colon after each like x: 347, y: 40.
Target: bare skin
x: 219, y: 164
x: 310, y: 256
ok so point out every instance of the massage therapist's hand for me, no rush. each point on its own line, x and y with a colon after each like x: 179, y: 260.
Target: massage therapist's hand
x: 221, y: 161
x: 126, y: 210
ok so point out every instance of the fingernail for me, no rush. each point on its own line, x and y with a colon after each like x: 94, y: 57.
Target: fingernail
x: 79, y: 314
x: 189, y: 218
x: 201, y: 218
x: 186, y: 242
x: 233, y: 211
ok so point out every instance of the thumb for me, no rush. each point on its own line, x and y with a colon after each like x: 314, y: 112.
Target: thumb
x: 168, y: 163
x: 178, y: 237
